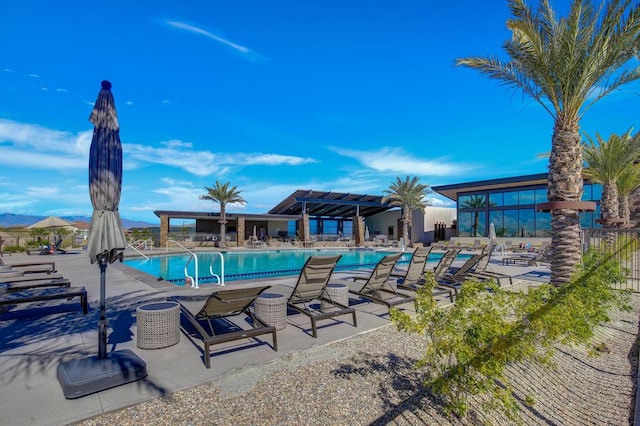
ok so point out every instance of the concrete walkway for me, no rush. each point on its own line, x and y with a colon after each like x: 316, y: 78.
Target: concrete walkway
x: 36, y: 337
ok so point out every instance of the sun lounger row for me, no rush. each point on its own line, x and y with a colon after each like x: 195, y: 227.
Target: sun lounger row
x: 310, y: 288
x: 41, y: 287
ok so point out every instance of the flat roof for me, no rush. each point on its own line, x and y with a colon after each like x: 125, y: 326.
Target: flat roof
x: 331, y: 204
x: 207, y: 215
x: 452, y: 191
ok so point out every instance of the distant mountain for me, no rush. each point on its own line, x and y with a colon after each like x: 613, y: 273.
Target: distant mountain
x: 10, y: 219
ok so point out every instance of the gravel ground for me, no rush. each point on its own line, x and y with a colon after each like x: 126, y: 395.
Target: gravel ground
x: 371, y: 379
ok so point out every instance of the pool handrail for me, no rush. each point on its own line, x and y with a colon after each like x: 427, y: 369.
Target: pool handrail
x: 220, y: 277
x: 138, y: 251
x: 194, y: 279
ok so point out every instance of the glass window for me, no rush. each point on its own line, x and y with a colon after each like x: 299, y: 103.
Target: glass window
x: 511, y: 223
x: 586, y: 220
x: 541, y: 195
x: 347, y: 228
x: 472, y: 201
x: 313, y: 226
x: 526, y: 197
x: 291, y: 228
x: 511, y: 198
x: 496, y: 200
x: 543, y: 224
x: 586, y: 193
x: 596, y: 192
x: 497, y: 218
x: 465, y: 221
x: 479, y: 226
x: 329, y: 226
x: 527, y: 222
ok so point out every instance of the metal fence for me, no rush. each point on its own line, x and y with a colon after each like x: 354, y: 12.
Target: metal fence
x: 626, y: 249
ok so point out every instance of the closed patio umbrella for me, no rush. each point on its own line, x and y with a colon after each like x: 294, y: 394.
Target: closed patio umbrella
x: 106, y: 244
x: 106, y: 235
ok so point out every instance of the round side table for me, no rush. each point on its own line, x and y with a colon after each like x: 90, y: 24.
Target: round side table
x: 158, y: 325
x: 272, y: 309
x: 339, y: 293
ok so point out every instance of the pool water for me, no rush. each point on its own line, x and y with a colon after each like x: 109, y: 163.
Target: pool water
x: 257, y: 264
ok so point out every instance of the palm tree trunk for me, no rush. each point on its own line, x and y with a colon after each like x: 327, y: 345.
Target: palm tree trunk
x: 406, y: 220
x: 565, y: 184
x: 624, y: 209
x: 609, y: 200
x: 223, y: 223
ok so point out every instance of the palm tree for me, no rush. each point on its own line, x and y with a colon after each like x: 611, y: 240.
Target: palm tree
x: 410, y: 195
x: 606, y: 163
x: 223, y: 195
x: 627, y: 183
x: 566, y: 65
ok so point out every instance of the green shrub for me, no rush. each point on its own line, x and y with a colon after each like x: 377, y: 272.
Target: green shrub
x: 471, y: 343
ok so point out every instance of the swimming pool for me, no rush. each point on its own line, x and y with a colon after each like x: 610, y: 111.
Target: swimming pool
x: 242, y: 265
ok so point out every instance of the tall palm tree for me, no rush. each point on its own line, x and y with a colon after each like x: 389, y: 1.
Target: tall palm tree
x: 223, y: 194
x: 566, y: 65
x: 410, y: 195
x: 627, y: 183
x: 606, y: 163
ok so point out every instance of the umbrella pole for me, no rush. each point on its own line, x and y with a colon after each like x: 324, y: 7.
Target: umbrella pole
x: 103, y: 323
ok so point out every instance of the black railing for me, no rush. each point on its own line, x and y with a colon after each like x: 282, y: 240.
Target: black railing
x: 625, y: 245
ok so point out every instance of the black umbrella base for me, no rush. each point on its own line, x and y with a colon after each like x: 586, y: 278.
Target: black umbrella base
x: 84, y: 376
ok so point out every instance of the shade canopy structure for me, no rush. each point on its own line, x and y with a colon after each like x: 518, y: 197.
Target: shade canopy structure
x: 52, y: 222
x: 106, y: 244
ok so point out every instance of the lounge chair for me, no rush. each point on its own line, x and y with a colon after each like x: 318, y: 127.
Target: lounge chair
x: 45, y: 294
x: 532, y: 260
x: 481, y: 273
x: 57, y: 248
x: 224, y: 304
x: 32, y: 267
x: 311, y: 286
x: 454, y: 280
x: 30, y: 277
x: 19, y: 286
x: 376, y: 287
x: 413, y: 278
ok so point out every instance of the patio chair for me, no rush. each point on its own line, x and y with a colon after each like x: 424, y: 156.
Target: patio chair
x: 376, y: 287
x: 224, y: 304
x: 413, y: 278
x: 46, y: 294
x: 32, y: 267
x: 19, y: 286
x: 30, y: 277
x: 455, y: 280
x: 311, y: 286
x: 531, y: 260
x: 480, y: 272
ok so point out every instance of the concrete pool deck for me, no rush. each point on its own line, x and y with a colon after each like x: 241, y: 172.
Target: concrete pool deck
x: 36, y: 337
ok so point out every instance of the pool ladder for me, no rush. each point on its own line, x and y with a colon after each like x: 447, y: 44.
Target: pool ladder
x: 194, y: 257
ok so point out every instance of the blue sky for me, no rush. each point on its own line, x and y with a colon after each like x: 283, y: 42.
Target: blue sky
x: 272, y: 96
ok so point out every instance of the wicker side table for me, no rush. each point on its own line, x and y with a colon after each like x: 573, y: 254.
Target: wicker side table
x: 272, y: 309
x: 339, y: 293
x: 158, y: 325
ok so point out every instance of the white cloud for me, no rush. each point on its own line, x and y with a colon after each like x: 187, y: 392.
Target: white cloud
x: 59, y: 89
x: 395, y: 160
x: 33, y: 75
x: 33, y: 146
x: 129, y: 103
x: 244, y: 51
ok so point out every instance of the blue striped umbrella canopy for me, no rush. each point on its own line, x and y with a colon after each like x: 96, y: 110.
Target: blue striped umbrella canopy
x: 106, y: 234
